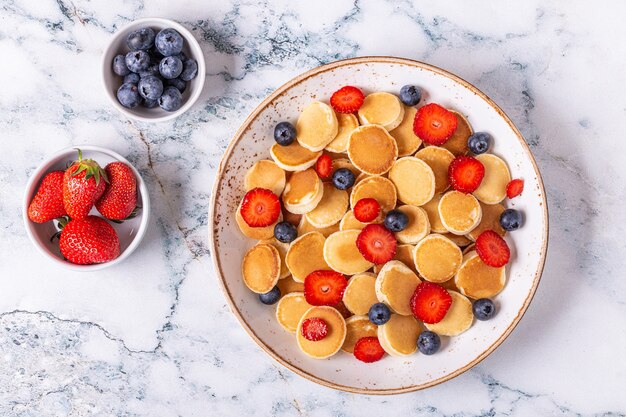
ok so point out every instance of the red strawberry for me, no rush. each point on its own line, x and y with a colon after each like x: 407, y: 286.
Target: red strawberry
x: 120, y: 196
x: 83, y: 184
x: 324, y: 288
x: 314, y: 329
x: 260, y: 207
x: 347, y: 99
x: 376, y: 244
x: 492, y: 249
x: 324, y: 166
x: 366, y: 210
x: 514, y: 188
x: 368, y: 350
x: 48, y: 201
x: 89, y: 241
x: 465, y: 173
x: 430, y: 302
x: 434, y: 124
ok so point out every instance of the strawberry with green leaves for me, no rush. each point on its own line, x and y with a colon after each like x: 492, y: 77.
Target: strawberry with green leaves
x: 48, y: 201
x: 83, y: 184
x: 120, y: 196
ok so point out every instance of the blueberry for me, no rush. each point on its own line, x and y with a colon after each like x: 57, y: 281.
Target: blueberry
x: 170, y: 67
x: 140, y: 39
x: 178, y: 83
x: 169, y: 42
x: 343, y: 179
x: 150, y: 104
x: 396, y: 221
x: 285, y: 232
x: 155, y: 54
x: 150, y: 87
x: 271, y: 297
x: 128, y: 95
x: 131, y: 78
x: 171, y: 100
x: 379, y: 314
x: 511, y: 219
x: 119, y: 65
x: 190, y: 70
x: 284, y: 133
x: 484, y: 309
x: 410, y: 95
x: 137, y: 61
x: 479, y: 142
x: 153, y: 69
x: 182, y: 56
x: 428, y: 342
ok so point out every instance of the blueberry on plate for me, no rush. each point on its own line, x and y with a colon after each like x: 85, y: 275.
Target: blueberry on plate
x: 150, y: 87
x: 170, y: 67
x: 178, y: 83
x: 171, y: 100
x: 182, y: 57
x: 153, y: 69
x: 119, y: 65
x: 379, y: 314
x: 484, y: 309
x: 169, y: 42
x: 285, y: 232
x: 141, y: 39
x: 428, y: 342
x: 479, y: 142
x: 190, y: 70
x: 511, y: 219
x: 137, y: 61
x: 150, y: 104
x: 131, y: 78
x: 396, y: 221
x: 128, y: 95
x: 343, y: 179
x: 271, y: 297
x: 410, y: 95
x: 284, y: 133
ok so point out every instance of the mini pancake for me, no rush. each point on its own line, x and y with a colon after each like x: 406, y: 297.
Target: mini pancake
x: 398, y: 337
x: 265, y: 174
x: 282, y: 249
x: 305, y: 255
x: 361, y: 177
x: 458, y: 319
x: 305, y: 227
x: 395, y: 285
x: 475, y: 279
x: 469, y: 248
x: 347, y: 122
x: 288, y: 285
x: 349, y: 222
x: 260, y: 268
x: 461, y: 241
x: 418, y: 226
x: 438, y: 159
x: 408, y: 142
x: 303, y: 192
x: 360, y: 293
x: 460, y: 213
x: 437, y: 258
x: 345, y: 163
x: 379, y: 188
x: 317, y: 126
x: 383, y: 109
x: 432, y: 209
x: 492, y: 189
x: 404, y: 254
x: 293, y: 157
x: 457, y: 144
x: 258, y: 233
x: 342, y: 255
x: 358, y: 327
x: 414, y: 180
x: 448, y: 285
x: 290, y: 310
x: 489, y: 221
x: 333, y: 341
x: 330, y: 209
x: 372, y: 149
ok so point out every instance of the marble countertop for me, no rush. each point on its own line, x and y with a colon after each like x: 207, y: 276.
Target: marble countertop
x: 153, y: 336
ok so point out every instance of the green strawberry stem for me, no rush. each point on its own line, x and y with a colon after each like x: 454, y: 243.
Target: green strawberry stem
x: 91, y: 169
x: 132, y: 215
x: 61, y: 223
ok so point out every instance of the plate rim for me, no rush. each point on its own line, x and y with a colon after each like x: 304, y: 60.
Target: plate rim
x: 246, y: 125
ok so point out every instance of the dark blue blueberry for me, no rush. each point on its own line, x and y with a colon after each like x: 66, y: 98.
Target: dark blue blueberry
x: 271, y: 297
x: 479, y: 142
x: 150, y: 87
x: 170, y: 67
x: 484, y: 309
x: 169, y: 42
x: 428, y: 342
x: 137, y: 61
x: 131, y: 78
x: 396, y: 221
x: 379, y: 314
x: 285, y: 232
x: 178, y: 83
x: 150, y: 104
x: 119, y: 65
x: 153, y: 69
x: 410, y: 95
x: 182, y: 56
x: 284, y: 133
x: 343, y: 179
x: 190, y: 70
x: 140, y: 39
x: 511, y: 219
x: 128, y: 95
x: 171, y: 100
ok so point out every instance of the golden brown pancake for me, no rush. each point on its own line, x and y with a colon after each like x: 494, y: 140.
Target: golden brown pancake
x: 260, y: 268
x: 360, y: 293
x: 461, y: 241
x: 418, y: 226
x: 347, y: 123
x: 414, y: 180
x: 460, y: 213
x: 372, y: 150
x: 305, y: 255
x: 306, y: 227
x: 490, y: 221
x: 383, y: 109
x: 303, y: 191
x: 290, y: 310
x: 458, y: 319
x: 330, y: 209
x: 265, y: 174
x: 457, y: 144
x: 282, y: 251
x: 333, y: 341
x: 438, y: 159
x: 398, y: 336
x: 342, y: 255
x: 288, y: 285
x: 437, y: 258
x: 395, y: 285
x: 258, y: 233
x: 476, y: 279
x: 293, y: 157
x: 378, y: 188
x: 432, y: 209
x: 358, y: 327
x: 408, y: 142
x: 492, y: 189
x: 317, y: 126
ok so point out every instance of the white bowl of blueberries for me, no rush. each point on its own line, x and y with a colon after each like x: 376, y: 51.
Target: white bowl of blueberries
x: 153, y: 69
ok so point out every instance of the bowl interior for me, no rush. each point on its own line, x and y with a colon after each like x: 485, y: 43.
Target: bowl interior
x: 393, y: 374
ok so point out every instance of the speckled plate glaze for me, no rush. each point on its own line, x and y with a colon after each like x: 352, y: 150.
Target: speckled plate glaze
x: 390, y: 375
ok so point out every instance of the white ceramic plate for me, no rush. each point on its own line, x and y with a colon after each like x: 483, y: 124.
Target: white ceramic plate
x: 390, y: 375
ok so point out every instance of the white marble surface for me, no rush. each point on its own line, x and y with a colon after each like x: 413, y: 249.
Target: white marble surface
x: 153, y: 336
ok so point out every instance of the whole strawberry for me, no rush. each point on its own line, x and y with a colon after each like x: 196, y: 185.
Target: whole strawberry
x: 89, y: 241
x: 83, y: 184
x: 120, y: 196
x: 48, y: 201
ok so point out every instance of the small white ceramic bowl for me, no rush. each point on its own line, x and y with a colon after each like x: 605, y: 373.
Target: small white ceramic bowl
x: 112, y: 81
x: 130, y: 232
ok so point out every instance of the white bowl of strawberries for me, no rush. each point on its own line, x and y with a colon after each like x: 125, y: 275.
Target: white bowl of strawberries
x: 86, y: 208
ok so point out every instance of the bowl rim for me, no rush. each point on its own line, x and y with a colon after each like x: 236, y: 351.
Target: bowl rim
x: 194, y: 46
x: 43, y: 169
x: 244, y: 127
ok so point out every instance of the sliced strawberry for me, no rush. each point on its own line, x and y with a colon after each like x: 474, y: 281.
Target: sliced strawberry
x: 324, y: 288
x: 260, y: 207
x: 492, y: 249
x: 430, y: 302
x: 366, y: 210
x: 434, y: 124
x: 376, y: 244
x: 347, y: 99
x: 368, y: 350
x: 314, y: 329
x: 514, y: 188
x: 324, y: 166
x: 465, y: 173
